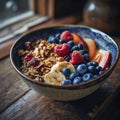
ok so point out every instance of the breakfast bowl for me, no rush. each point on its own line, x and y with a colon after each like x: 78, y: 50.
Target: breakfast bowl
x: 102, y: 54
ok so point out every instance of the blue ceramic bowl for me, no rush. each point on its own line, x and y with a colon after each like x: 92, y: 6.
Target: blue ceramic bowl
x: 72, y: 92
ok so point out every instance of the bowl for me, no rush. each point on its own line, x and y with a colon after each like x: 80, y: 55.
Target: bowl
x: 70, y: 92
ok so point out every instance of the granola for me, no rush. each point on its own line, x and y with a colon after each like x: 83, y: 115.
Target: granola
x: 43, y: 58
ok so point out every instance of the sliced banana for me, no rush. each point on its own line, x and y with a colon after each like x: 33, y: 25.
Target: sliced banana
x: 59, y: 66
x: 55, y: 76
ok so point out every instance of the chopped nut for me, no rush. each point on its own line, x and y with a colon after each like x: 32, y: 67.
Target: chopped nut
x: 21, y: 52
x: 59, y: 59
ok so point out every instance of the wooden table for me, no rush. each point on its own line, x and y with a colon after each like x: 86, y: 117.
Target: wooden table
x: 19, y: 102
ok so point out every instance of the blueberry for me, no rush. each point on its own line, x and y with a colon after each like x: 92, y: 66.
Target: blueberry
x: 95, y: 64
x: 99, y: 68
x: 72, y: 76
x: 75, y: 47
x: 57, y: 35
x: 101, y: 72
x: 91, y: 68
x: 61, y: 41
x: 89, y: 64
x: 82, y: 68
x: 66, y: 82
x: 70, y: 43
x: 83, y: 52
x: 87, y: 76
x: 96, y: 71
x: 95, y: 76
x: 77, y: 80
x: 86, y: 57
x: 66, y: 72
x: 52, y: 39
x: 80, y: 46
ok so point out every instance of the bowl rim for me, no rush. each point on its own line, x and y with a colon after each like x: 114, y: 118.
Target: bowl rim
x: 81, y: 85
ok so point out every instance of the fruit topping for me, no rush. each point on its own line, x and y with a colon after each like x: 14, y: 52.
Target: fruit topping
x: 28, y: 45
x: 91, y: 47
x: 34, y: 62
x: 97, y: 57
x: 82, y: 69
x: 83, y: 52
x: 87, y: 76
x: 66, y: 36
x: 66, y: 72
x: 70, y: 43
x: 77, y: 80
x: 62, y: 49
x: 61, y: 41
x: 54, y: 77
x: 28, y: 57
x: 78, y: 39
x: 52, y: 39
x: 76, y: 57
x: 101, y: 72
x: 105, y: 59
x: 66, y: 82
x: 72, y: 76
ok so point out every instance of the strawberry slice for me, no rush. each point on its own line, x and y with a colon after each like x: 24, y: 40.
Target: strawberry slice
x: 76, y: 57
x: 62, y: 50
x: 105, y: 59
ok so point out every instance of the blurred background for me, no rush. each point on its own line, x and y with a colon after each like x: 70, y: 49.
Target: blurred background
x: 20, y: 16
x: 17, y: 16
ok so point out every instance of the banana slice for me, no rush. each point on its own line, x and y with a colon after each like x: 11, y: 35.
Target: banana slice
x: 55, y: 76
x: 59, y: 66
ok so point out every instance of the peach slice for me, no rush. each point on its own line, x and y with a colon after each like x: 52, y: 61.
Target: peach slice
x: 78, y: 39
x: 97, y: 56
x: 105, y: 59
x: 92, y: 47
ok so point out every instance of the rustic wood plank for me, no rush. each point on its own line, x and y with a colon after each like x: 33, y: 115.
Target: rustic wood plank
x: 34, y: 106
x: 110, y: 110
x: 11, y: 87
x: 6, y: 48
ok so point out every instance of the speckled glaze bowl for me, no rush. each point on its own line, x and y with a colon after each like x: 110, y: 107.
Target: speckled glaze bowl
x: 71, y: 92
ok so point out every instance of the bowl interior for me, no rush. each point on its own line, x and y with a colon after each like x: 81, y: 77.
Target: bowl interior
x: 102, y: 40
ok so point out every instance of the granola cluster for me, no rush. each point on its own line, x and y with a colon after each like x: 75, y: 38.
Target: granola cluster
x: 39, y: 60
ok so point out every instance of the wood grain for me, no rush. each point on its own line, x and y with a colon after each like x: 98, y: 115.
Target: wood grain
x: 41, y: 7
x: 11, y: 87
x: 35, y: 106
